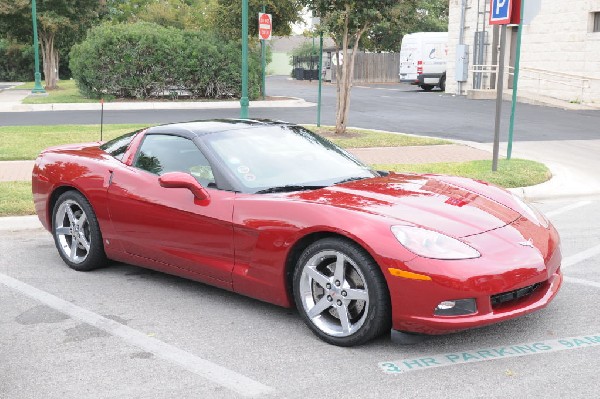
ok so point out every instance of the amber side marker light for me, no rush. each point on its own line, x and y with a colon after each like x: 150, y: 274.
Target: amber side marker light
x: 409, y: 275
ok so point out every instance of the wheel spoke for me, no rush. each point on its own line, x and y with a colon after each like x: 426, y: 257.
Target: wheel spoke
x: 85, y: 243
x: 338, y: 274
x: 70, y: 215
x: 82, y: 219
x: 317, y: 276
x: 65, y: 231
x: 344, y: 319
x: 319, y: 307
x: 73, y: 254
x: 357, y: 294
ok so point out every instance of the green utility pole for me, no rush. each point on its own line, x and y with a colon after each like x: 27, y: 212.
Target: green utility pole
x: 320, y: 78
x: 515, y: 84
x: 499, y: 92
x: 37, y: 88
x: 244, y: 101
x: 263, y: 55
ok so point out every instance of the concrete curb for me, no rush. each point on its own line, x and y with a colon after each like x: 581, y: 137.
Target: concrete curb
x: 19, y: 223
x: 565, y: 182
x: 130, y: 106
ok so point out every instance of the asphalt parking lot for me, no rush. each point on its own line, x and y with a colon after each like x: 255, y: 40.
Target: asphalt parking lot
x: 126, y: 332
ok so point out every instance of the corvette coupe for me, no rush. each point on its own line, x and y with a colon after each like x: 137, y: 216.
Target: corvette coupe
x: 270, y: 210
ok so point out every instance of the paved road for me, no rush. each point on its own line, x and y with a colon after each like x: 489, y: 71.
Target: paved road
x: 150, y: 335
x: 394, y: 107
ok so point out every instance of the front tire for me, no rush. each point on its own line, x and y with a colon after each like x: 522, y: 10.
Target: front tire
x: 443, y: 83
x: 76, y: 232
x: 341, y: 293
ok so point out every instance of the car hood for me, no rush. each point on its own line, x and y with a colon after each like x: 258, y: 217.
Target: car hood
x: 437, y: 203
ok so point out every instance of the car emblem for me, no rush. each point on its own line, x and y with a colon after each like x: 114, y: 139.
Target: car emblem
x: 528, y: 243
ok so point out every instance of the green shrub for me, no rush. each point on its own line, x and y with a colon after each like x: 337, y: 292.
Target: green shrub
x: 144, y: 60
x: 16, y: 61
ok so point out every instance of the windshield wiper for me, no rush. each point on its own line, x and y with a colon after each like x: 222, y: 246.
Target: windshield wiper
x: 288, y: 188
x: 350, y: 179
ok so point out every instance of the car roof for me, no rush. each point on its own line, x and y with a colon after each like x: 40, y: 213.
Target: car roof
x: 204, y: 127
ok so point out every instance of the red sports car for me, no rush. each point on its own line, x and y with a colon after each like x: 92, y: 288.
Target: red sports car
x: 272, y: 211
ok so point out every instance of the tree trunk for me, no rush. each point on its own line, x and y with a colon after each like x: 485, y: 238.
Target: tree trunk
x: 347, y: 74
x: 343, y: 121
x: 50, y: 60
x: 342, y: 81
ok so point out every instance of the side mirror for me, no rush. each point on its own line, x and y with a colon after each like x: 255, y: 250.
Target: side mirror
x: 183, y: 180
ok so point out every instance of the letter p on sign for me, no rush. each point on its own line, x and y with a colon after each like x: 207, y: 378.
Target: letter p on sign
x: 499, y: 6
x: 500, y: 12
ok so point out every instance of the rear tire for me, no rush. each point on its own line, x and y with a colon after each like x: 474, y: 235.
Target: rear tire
x: 340, y: 293
x: 76, y: 232
x: 426, y: 87
x: 443, y: 83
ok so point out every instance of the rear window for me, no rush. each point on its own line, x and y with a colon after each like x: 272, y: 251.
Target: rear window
x: 117, y: 147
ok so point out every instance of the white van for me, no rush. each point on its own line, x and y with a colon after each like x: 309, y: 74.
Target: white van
x: 423, y: 59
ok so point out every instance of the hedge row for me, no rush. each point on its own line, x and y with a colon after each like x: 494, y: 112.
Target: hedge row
x: 144, y: 60
x: 16, y: 62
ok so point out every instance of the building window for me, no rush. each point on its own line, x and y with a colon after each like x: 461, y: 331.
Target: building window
x: 596, y: 27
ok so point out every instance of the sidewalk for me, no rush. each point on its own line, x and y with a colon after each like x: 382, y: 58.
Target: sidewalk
x: 10, y: 101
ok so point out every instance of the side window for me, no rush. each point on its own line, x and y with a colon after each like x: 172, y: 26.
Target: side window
x: 160, y: 154
x: 117, y: 147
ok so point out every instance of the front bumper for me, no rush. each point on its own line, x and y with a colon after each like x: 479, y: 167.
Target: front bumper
x: 486, y: 315
x: 505, y: 267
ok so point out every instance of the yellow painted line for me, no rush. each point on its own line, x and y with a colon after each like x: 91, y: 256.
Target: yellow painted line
x: 409, y: 275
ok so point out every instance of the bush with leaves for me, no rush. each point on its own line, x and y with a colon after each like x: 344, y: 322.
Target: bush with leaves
x: 145, y: 60
x: 16, y: 61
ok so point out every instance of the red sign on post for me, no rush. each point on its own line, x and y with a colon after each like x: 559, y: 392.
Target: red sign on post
x: 265, y: 26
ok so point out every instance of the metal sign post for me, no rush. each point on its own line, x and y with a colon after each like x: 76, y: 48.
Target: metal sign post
x: 244, y: 101
x: 265, y: 29
x: 500, y: 14
x: 515, y: 83
x: 499, y: 93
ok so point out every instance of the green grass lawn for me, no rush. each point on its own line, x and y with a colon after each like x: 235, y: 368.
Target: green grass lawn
x: 26, y: 142
x: 362, y: 138
x: 67, y: 92
x: 510, y: 174
x: 15, y: 198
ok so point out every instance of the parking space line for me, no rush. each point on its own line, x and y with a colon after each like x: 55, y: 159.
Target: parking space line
x: 481, y: 355
x: 580, y: 257
x: 567, y: 208
x: 220, y: 375
x: 581, y: 281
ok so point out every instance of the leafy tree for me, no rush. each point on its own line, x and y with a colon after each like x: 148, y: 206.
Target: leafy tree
x: 227, y: 16
x: 16, y: 61
x: 181, y: 14
x: 60, y: 24
x: 347, y: 21
x: 406, y: 17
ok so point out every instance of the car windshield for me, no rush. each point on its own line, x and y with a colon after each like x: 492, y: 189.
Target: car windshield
x: 284, y: 158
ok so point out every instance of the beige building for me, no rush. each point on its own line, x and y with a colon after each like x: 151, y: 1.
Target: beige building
x: 560, y: 51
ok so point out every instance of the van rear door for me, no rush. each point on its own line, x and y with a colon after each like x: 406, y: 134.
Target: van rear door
x: 409, y: 54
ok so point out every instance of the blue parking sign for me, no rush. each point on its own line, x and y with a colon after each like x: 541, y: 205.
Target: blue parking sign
x: 500, y: 12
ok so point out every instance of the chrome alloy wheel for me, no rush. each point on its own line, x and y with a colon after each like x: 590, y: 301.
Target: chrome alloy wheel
x: 72, y: 231
x: 334, y: 293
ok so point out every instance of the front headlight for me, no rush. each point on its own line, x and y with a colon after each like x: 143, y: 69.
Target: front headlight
x: 430, y: 244
x: 531, y: 212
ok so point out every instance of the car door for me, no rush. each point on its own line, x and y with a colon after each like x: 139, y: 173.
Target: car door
x: 170, y: 225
